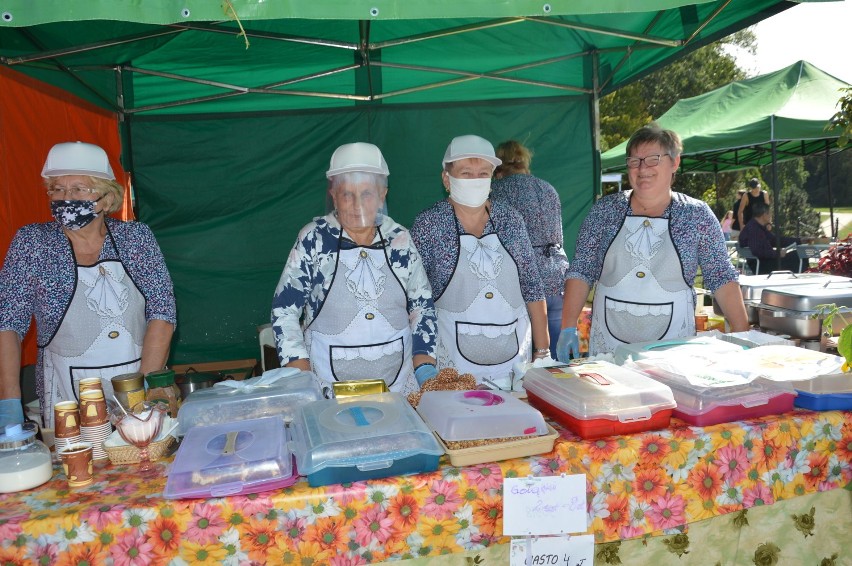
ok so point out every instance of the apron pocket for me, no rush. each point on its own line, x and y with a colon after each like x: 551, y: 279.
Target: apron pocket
x: 368, y: 361
x: 487, y: 344
x: 635, y: 322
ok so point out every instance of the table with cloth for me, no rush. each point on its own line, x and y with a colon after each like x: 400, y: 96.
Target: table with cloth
x: 765, y: 491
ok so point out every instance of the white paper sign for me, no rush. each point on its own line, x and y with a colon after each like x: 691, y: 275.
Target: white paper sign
x: 551, y: 505
x: 553, y: 551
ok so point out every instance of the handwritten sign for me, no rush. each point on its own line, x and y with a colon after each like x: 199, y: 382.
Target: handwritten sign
x: 553, y: 551
x: 544, y: 505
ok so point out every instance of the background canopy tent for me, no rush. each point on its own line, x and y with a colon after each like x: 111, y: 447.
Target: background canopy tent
x: 736, y: 126
x: 230, y: 110
x: 752, y: 123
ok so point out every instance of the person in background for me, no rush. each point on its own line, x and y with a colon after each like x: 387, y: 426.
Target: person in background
x: 756, y: 236
x: 754, y: 195
x: 538, y: 202
x: 642, y: 249
x: 98, y: 287
x: 483, y: 270
x: 726, y: 222
x: 353, y: 301
x: 735, y: 225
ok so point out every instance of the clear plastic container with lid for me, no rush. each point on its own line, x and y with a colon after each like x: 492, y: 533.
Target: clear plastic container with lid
x: 162, y: 389
x: 24, y: 460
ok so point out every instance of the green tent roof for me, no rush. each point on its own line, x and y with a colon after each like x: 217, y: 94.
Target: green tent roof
x: 188, y: 57
x: 735, y: 126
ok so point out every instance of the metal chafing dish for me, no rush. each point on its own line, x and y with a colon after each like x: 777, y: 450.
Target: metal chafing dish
x: 753, y: 285
x: 793, y: 310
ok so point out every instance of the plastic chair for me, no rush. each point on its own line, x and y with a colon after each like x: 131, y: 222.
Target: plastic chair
x: 745, y: 254
x: 806, y: 254
x: 268, y: 349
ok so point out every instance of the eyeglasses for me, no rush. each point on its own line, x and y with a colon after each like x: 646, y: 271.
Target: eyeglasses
x: 649, y: 160
x: 76, y: 191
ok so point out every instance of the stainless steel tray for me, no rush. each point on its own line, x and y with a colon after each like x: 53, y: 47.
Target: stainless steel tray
x: 797, y: 324
x: 753, y: 285
x: 806, y: 298
x: 751, y: 310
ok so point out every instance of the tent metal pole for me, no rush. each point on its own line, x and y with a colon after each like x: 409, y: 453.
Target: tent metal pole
x: 629, y: 50
x: 445, y: 32
x: 777, y: 200
x: 607, y: 31
x: 271, y: 36
x: 706, y: 22
x: 834, y: 233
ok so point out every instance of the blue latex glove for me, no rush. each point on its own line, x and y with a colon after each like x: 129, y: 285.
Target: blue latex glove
x: 11, y: 412
x: 568, y: 345
x: 425, y: 372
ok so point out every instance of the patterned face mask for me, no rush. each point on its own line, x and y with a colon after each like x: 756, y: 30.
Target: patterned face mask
x: 74, y: 214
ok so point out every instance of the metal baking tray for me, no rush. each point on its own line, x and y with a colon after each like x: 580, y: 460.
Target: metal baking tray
x: 753, y: 285
x: 797, y: 324
x: 806, y: 298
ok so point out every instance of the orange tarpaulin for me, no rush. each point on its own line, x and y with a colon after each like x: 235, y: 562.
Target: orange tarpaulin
x: 33, y: 117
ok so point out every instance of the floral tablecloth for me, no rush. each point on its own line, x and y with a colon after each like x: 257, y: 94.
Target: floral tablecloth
x: 638, y: 485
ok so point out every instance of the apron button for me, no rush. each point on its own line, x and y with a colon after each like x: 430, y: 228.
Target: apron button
x: 113, y: 335
x: 363, y: 253
x: 369, y: 316
x: 646, y: 223
x: 489, y: 295
x: 640, y: 274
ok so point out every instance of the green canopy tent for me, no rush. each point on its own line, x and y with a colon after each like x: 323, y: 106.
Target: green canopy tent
x: 231, y: 109
x: 753, y: 123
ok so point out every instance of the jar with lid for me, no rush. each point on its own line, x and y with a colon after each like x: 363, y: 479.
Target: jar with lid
x: 162, y: 389
x: 24, y: 460
x: 129, y: 389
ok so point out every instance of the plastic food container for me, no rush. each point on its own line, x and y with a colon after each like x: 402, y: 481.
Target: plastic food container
x: 502, y: 450
x: 24, y: 461
x: 237, y: 458
x: 278, y: 393
x: 709, y: 402
x: 785, y: 363
x: 597, y: 398
x: 699, y: 345
x: 360, y: 438
x: 831, y: 392
x: 479, y: 414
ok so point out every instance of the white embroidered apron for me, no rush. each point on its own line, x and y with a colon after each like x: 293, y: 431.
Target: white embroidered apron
x: 483, y: 323
x: 100, y: 335
x: 641, y: 295
x: 362, y: 330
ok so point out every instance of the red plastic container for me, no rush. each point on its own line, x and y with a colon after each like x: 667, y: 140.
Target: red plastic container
x: 598, y: 428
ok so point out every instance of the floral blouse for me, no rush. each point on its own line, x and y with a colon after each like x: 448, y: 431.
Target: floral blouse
x: 695, y: 232
x: 435, y: 232
x: 309, y: 273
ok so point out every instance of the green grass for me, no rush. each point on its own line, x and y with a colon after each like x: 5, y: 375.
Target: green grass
x: 844, y: 229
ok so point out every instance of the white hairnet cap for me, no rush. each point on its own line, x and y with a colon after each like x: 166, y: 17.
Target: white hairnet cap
x: 465, y: 147
x: 359, y: 156
x: 77, y: 158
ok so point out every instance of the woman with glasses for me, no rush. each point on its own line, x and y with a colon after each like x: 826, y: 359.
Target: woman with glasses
x: 641, y: 250
x: 98, y: 288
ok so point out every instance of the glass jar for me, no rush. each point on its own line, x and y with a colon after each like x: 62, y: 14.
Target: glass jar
x: 162, y: 389
x: 24, y: 460
x: 129, y: 389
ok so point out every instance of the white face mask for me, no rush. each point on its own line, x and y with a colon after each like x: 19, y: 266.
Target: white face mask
x: 470, y: 192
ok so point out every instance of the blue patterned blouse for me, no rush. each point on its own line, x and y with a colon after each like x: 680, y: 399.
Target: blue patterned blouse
x: 695, y: 232
x: 538, y: 202
x: 39, y: 275
x: 309, y: 272
x: 435, y: 232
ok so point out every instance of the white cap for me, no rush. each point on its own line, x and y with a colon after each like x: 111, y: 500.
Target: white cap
x: 465, y: 147
x: 77, y: 158
x: 359, y: 156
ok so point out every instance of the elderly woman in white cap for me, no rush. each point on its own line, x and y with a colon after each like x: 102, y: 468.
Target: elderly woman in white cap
x: 353, y: 301
x: 481, y: 265
x: 98, y: 288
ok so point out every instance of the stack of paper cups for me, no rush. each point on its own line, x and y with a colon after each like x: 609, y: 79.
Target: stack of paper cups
x: 94, y: 422
x: 66, y: 417
x: 90, y: 384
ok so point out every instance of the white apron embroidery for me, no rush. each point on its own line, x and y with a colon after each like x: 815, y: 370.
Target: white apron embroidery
x: 483, y: 323
x: 100, y: 335
x: 362, y: 329
x: 641, y: 295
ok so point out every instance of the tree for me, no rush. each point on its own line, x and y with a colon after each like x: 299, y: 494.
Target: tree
x: 843, y: 118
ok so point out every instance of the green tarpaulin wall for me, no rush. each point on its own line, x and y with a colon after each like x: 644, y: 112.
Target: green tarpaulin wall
x: 227, y: 195
x: 228, y: 143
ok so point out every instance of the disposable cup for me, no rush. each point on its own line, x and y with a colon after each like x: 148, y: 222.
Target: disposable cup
x: 66, y: 416
x: 77, y: 464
